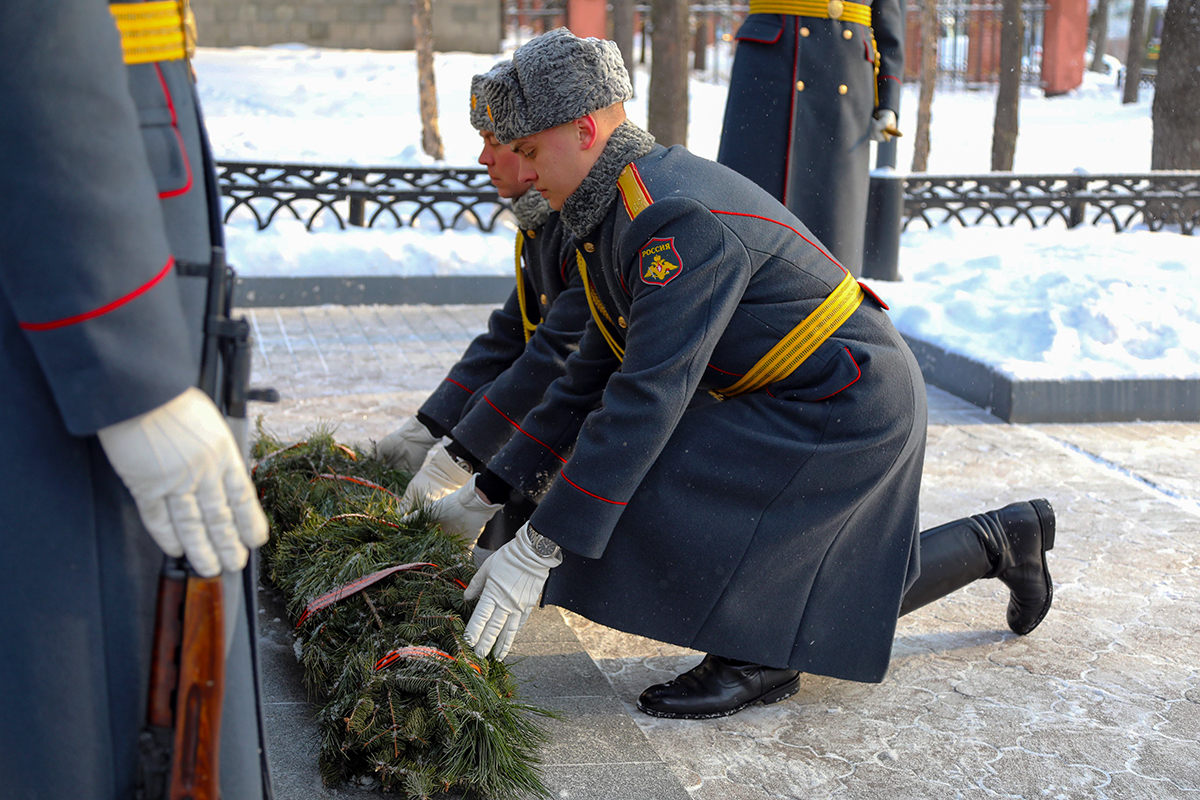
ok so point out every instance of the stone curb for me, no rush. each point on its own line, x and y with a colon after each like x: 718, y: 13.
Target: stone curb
x: 1026, y: 401
x: 252, y: 292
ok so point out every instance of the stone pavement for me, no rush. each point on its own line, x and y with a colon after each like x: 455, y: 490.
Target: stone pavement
x: 1102, y: 700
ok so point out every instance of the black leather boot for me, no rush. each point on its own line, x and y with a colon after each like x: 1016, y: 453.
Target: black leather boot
x: 1009, y: 544
x: 718, y: 687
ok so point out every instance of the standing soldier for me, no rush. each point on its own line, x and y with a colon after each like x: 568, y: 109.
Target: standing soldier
x: 812, y: 82
x: 109, y: 448
x: 505, y: 370
x: 748, y: 485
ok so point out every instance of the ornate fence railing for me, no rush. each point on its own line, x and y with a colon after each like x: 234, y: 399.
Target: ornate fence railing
x: 1155, y: 199
x: 321, y: 195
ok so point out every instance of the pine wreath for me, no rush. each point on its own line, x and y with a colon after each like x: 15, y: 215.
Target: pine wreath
x: 378, y: 601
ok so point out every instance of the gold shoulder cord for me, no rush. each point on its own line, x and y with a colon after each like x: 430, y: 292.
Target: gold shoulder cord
x: 154, y: 31
x: 597, y: 308
x: 527, y: 327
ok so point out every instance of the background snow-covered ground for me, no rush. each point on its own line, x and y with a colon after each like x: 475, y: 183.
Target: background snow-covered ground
x: 1036, y: 304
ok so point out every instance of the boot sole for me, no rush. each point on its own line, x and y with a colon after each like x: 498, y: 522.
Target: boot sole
x: 1047, y: 522
x: 774, y: 696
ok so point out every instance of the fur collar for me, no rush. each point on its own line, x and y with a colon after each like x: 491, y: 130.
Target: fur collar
x: 531, y: 210
x: 589, y: 204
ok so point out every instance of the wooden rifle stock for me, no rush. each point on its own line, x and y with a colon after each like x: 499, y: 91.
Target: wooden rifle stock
x: 181, y: 745
x: 194, y: 771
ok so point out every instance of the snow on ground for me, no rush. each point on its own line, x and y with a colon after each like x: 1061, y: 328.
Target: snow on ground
x: 1053, y: 303
x: 312, y: 105
x: 1040, y: 303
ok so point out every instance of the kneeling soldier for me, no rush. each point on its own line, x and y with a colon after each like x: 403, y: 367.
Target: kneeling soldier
x: 504, y: 371
x: 748, y: 485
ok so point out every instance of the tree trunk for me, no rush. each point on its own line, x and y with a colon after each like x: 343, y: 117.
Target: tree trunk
x: 646, y: 30
x: 1008, y: 96
x: 431, y: 140
x: 1099, y: 35
x: 929, y: 54
x: 700, y: 50
x: 622, y: 24
x: 667, y: 116
x: 1176, y: 112
x: 1137, y: 51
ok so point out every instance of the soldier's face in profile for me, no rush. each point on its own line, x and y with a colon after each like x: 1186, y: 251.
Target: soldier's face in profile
x: 556, y: 160
x: 503, y: 166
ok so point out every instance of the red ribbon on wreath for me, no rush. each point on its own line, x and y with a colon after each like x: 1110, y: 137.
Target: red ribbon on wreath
x: 331, y: 597
x: 417, y: 651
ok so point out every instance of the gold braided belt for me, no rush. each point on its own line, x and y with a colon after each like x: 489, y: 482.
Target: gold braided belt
x: 158, y: 31
x: 823, y: 9
x: 801, y: 342
x: 782, y: 359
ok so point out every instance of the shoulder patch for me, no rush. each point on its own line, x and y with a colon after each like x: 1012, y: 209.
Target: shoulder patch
x: 633, y: 191
x: 660, y: 262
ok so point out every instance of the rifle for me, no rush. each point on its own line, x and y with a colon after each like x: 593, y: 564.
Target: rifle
x: 181, y: 741
x: 180, y: 744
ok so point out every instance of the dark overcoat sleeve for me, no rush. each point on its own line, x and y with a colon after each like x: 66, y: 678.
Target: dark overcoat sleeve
x: 488, y: 355
x: 887, y: 25
x: 486, y: 427
x: 84, y: 301
x: 546, y: 437
x: 672, y: 331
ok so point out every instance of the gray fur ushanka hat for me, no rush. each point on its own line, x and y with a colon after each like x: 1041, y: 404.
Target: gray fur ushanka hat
x: 556, y: 77
x: 483, y: 90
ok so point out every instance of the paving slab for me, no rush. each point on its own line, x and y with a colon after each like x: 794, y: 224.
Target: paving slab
x: 1101, y: 701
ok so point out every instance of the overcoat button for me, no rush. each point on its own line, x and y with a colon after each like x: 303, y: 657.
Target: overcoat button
x: 544, y: 300
x: 621, y: 321
x: 591, y: 248
x: 836, y: 7
x: 799, y: 86
x: 804, y: 31
x: 842, y: 89
x: 532, y: 234
x: 847, y: 34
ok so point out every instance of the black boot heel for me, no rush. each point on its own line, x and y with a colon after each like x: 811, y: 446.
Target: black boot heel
x: 782, y: 693
x: 1045, y: 514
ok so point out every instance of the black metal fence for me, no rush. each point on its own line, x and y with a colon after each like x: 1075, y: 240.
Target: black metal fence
x: 457, y: 198
x: 1155, y: 199
x: 326, y: 194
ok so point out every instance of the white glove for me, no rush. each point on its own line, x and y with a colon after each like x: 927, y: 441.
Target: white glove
x: 508, y: 586
x: 439, y: 476
x: 883, y: 120
x: 405, y: 447
x: 184, y: 469
x: 463, y: 512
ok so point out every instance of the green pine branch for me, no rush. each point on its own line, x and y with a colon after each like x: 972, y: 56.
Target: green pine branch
x: 424, y: 724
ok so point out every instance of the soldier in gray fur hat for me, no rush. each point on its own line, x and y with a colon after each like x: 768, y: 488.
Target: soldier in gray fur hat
x: 505, y: 370
x: 733, y: 457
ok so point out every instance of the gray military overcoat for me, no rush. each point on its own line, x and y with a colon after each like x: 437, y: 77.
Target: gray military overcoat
x: 797, y: 120
x: 95, y: 328
x: 501, y: 376
x: 778, y: 527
